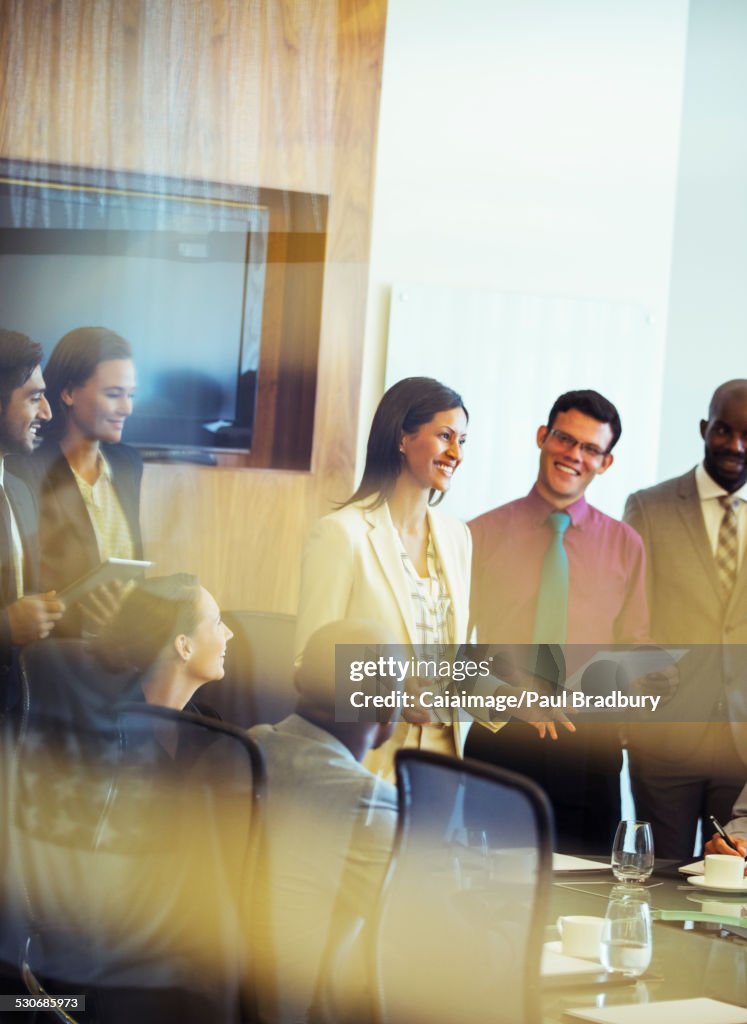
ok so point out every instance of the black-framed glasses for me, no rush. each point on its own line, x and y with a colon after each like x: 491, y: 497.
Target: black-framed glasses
x: 568, y: 442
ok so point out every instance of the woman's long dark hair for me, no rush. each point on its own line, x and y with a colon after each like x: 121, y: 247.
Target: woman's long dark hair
x: 405, y: 407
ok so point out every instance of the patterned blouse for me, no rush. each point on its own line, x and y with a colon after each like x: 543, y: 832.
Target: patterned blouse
x: 105, y: 511
x: 431, y: 600
x: 434, y: 621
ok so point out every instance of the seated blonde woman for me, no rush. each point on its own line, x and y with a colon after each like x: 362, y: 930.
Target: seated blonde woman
x: 168, y: 630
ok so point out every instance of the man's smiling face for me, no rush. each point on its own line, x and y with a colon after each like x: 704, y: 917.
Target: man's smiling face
x: 725, y: 436
x: 22, y: 415
x: 566, y: 469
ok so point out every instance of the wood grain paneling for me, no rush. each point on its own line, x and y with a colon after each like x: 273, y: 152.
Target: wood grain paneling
x: 276, y: 93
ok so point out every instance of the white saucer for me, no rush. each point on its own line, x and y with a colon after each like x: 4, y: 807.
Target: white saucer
x: 557, y: 947
x: 700, y: 883
x: 735, y: 907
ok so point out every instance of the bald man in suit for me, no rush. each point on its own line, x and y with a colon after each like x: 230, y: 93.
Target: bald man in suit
x: 694, y: 529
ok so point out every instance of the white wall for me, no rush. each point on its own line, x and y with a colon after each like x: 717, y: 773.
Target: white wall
x: 707, y: 334
x: 529, y: 146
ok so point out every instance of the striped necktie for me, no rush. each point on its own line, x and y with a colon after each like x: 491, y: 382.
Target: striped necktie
x: 551, y: 615
x: 727, y: 548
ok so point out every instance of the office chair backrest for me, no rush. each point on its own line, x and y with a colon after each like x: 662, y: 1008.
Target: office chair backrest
x: 459, y: 934
x: 258, y: 685
x: 188, y: 799
x: 59, y: 771
x: 128, y: 845
x: 64, y: 681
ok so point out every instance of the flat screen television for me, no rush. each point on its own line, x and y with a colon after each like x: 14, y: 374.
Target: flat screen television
x: 176, y: 267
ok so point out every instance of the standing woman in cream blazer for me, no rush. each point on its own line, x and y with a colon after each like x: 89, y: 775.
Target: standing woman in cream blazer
x: 387, y: 555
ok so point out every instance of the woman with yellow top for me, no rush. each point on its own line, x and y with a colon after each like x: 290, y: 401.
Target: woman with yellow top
x: 86, y: 481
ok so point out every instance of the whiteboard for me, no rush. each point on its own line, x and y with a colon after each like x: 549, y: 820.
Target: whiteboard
x: 510, y: 355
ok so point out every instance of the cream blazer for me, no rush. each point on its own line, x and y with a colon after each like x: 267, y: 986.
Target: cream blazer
x: 352, y: 569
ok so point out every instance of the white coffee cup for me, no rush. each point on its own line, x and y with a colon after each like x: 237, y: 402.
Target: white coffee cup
x: 580, y: 936
x: 724, y: 869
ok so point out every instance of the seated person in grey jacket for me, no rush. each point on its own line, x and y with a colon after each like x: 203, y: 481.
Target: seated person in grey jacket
x: 330, y: 829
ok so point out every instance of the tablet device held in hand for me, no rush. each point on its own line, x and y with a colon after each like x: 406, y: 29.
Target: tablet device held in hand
x: 113, y: 569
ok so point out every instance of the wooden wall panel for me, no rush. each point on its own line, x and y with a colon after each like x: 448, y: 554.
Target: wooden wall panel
x: 275, y: 93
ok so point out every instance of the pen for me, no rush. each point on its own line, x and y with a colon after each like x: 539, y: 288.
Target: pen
x: 720, y: 829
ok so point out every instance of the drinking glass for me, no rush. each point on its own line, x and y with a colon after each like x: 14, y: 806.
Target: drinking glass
x: 633, y: 852
x: 626, y: 937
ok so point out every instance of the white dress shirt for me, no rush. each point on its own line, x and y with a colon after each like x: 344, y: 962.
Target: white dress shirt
x: 15, y: 537
x: 738, y: 826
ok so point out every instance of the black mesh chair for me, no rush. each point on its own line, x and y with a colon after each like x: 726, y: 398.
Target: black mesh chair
x: 187, y: 803
x: 460, y: 927
x: 128, y: 846
x: 258, y: 684
x: 59, y: 765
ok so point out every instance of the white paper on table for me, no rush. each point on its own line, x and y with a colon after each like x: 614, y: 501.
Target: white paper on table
x: 681, y: 1011
x: 565, y: 862
x: 698, y: 868
x: 556, y: 964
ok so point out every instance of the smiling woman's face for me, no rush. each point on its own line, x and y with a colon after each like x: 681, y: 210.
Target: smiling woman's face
x: 207, y: 641
x: 99, y: 407
x: 433, y: 453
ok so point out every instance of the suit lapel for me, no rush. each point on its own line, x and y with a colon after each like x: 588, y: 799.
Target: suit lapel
x: 692, y: 517
x: 448, y: 556
x: 739, y: 594
x: 383, y: 542
x: 60, y: 487
x: 7, y: 575
x: 24, y: 514
x: 125, y: 491
x: 738, y: 597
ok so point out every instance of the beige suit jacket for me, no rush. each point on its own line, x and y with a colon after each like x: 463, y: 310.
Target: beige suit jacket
x: 688, y: 608
x: 352, y: 569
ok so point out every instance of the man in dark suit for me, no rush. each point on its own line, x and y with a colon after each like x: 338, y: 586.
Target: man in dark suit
x: 24, y: 614
x: 694, y: 529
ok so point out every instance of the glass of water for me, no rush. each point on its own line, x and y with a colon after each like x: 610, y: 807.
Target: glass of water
x: 633, y: 852
x: 626, y: 937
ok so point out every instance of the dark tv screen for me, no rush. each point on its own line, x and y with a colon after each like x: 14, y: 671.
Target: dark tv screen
x: 180, y: 276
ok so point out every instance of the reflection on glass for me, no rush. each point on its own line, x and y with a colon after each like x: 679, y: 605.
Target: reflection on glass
x: 626, y: 936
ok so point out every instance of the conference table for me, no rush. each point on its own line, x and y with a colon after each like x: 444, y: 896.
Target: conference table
x: 699, y: 943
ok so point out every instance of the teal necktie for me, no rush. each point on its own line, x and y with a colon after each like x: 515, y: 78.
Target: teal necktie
x: 551, y: 616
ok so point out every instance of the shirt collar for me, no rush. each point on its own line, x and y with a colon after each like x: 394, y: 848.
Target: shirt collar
x: 105, y: 468
x: 708, y: 489
x: 105, y: 472
x: 541, y: 509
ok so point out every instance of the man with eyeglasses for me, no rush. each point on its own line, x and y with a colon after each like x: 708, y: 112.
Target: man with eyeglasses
x: 694, y: 528
x: 550, y: 569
